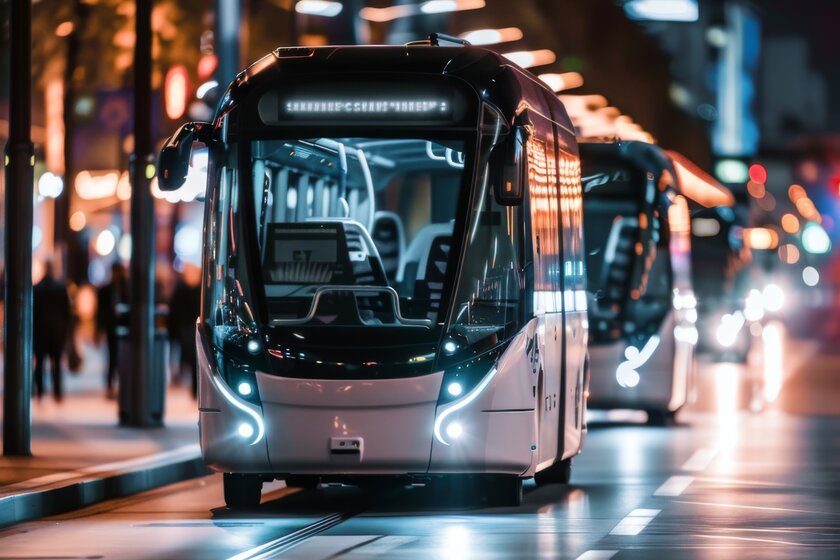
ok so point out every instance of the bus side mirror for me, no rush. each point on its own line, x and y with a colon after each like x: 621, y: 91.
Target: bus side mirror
x: 174, y: 160
x: 510, y: 188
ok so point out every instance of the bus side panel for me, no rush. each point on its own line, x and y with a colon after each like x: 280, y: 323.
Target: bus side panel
x: 221, y: 446
x: 574, y: 292
x: 542, y: 198
x: 499, y: 426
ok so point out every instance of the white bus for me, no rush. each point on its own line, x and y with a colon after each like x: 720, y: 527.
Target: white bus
x: 643, y: 313
x: 393, y: 279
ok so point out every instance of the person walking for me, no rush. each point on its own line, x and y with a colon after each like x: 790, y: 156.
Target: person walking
x: 184, y: 308
x: 108, y: 299
x: 51, y: 326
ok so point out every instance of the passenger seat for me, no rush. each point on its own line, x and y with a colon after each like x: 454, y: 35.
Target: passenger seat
x: 424, y: 267
x: 389, y: 237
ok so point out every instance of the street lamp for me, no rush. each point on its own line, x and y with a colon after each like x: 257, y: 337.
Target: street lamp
x: 325, y: 8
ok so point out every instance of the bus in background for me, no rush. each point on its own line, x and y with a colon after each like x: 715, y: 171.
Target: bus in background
x: 393, y: 279
x: 642, y: 312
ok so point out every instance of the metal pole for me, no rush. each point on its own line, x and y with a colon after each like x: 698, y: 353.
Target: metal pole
x: 142, y: 226
x: 228, y: 21
x: 19, y: 159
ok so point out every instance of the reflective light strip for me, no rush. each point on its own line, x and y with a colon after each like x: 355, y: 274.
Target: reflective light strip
x: 459, y: 404
x: 235, y: 401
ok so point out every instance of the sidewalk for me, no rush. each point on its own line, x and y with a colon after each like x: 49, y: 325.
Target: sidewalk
x: 80, y: 455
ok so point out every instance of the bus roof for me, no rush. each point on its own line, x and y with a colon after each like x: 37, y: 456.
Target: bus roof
x: 494, y: 78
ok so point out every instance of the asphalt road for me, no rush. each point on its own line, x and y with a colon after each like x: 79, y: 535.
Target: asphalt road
x: 752, y: 470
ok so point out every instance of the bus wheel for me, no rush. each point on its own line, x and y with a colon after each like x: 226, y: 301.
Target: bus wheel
x: 503, y: 491
x: 306, y: 482
x: 558, y: 473
x: 661, y: 418
x: 242, y: 490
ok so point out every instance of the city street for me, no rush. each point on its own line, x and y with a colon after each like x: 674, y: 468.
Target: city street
x: 419, y: 279
x: 744, y: 474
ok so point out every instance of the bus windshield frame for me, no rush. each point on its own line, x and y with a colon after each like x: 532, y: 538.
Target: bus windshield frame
x: 414, y: 345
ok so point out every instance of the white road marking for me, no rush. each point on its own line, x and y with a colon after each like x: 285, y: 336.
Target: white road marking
x: 765, y: 508
x: 635, y: 522
x: 383, y: 545
x: 597, y: 555
x: 771, y: 541
x: 701, y: 459
x: 674, y: 486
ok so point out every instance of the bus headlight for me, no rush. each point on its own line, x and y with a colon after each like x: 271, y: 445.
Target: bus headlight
x: 446, y: 422
x: 246, y: 430
x: 454, y: 430
x: 255, y: 429
x: 244, y: 388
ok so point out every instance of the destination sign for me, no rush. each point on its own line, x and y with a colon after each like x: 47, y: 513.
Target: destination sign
x: 389, y: 103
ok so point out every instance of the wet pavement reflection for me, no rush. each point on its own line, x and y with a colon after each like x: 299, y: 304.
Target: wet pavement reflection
x: 751, y: 470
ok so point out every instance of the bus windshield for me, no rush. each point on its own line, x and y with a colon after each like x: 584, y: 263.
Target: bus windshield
x: 356, y: 231
x: 627, y: 257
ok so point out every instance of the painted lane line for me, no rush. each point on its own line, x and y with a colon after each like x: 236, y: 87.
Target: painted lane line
x: 382, y: 545
x: 635, y: 522
x: 701, y: 459
x: 674, y: 486
x: 597, y: 555
x: 749, y: 539
x: 283, y: 543
x: 763, y: 508
x: 738, y: 482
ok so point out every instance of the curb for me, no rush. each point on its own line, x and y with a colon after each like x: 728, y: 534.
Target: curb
x: 97, y: 484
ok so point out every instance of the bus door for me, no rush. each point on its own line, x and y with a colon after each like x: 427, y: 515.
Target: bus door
x: 545, y: 241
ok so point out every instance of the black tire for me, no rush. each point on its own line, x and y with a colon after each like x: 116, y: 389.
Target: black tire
x: 503, y: 491
x: 306, y: 482
x: 661, y: 418
x: 558, y: 473
x: 242, y: 490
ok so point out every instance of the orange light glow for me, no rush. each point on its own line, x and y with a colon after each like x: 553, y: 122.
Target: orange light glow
x: 698, y: 185
x: 492, y: 36
x: 381, y: 15
x: 91, y: 185
x: 761, y: 239
x: 175, y: 91
x: 527, y: 59
x: 795, y: 192
x: 563, y: 81
x: 789, y: 253
x: 64, y: 28
x: 790, y: 223
x: 54, y: 149
x: 578, y: 105
x: 756, y: 190
x: 78, y: 221
x: 206, y: 66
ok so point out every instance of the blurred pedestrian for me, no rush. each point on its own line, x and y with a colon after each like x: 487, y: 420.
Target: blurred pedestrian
x: 52, y: 328
x: 184, y: 308
x: 109, y: 298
